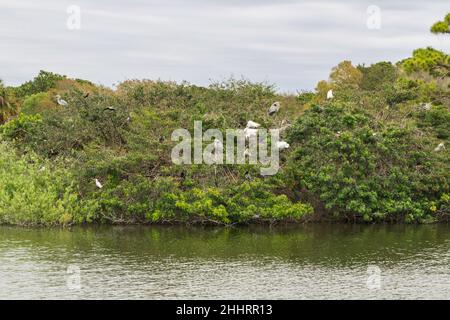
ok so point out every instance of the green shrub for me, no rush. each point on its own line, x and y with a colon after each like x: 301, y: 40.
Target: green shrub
x: 36, y: 192
x: 361, y: 171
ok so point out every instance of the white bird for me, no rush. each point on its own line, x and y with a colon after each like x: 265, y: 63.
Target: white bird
x: 274, y: 108
x: 439, y: 147
x: 247, y: 153
x: 98, y: 184
x: 249, y: 132
x: 330, y: 94
x: 282, y: 145
x: 252, y: 124
x: 60, y: 101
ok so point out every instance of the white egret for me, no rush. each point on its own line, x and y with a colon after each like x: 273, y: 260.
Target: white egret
x: 282, y: 145
x: 60, y: 101
x: 252, y: 124
x: 439, y: 147
x: 274, y: 108
x: 330, y: 94
x: 98, y: 184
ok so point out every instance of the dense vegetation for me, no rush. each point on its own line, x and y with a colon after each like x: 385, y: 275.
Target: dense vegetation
x: 369, y: 154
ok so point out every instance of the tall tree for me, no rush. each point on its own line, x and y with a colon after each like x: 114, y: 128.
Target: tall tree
x: 442, y: 26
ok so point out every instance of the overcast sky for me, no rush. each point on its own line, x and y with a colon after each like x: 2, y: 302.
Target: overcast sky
x: 292, y: 44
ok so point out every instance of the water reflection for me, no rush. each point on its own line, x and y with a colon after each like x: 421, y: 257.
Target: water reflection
x: 292, y: 262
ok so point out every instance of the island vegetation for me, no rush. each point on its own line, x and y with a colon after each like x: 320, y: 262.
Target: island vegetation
x: 376, y: 152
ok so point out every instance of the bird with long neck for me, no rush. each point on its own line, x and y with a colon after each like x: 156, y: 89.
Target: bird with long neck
x: 60, y: 101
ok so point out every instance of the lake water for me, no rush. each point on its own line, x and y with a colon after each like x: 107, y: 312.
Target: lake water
x: 295, y: 262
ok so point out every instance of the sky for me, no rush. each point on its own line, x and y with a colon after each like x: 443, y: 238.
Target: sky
x: 292, y: 44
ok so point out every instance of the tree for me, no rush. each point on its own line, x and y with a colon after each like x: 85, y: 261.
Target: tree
x: 377, y: 75
x: 41, y: 83
x: 322, y: 87
x: 436, y: 62
x: 345, y: 76
x: 441, y: 26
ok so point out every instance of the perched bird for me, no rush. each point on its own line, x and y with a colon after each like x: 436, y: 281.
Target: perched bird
x: 252, y: 124
x: 249, y: 132
x: 247, y: 153
x: 60, y: 101
x: 274, y: 108
x: 98, y: 184
x: 439, y: 147
x: 110, y: 109
x: 330, y: 94
x: 282, y: 145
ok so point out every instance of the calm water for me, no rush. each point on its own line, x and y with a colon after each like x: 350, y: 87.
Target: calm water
x: 302, y: 262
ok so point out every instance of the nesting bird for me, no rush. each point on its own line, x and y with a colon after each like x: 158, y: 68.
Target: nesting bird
x: 253, y: 125
x: 274, y: 108
x: 439, y: 147
x: 330, y: 94
x: 98, y: 184
x: 282, y: 145
x: 60, y: 101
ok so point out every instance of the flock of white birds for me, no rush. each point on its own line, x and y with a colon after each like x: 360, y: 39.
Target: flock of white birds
x: 251, y: 129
